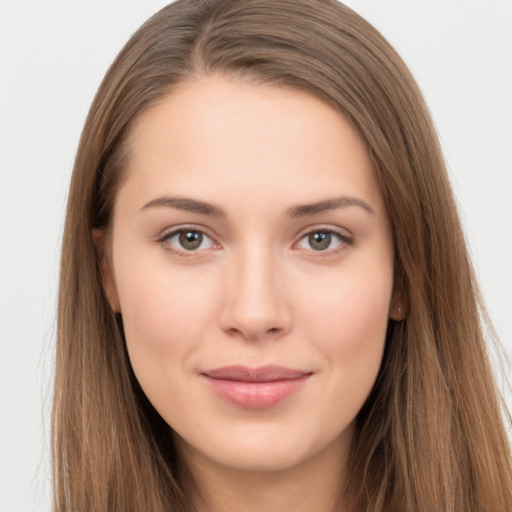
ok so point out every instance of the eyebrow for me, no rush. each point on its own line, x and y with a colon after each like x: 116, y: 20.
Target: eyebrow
x: 328, y: 204
x: 187, y: 205
x: 201, y: 207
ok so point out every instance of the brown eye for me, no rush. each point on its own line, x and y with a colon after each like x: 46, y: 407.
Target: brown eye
x: 183, y: 241
x: 190, y: 240
x: 324, y: 240
x: 319, y: 240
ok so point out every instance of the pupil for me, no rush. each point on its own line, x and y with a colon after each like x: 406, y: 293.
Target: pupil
x: 320, y: 240
x: 190, y: 240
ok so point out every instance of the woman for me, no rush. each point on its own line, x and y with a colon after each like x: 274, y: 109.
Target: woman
x: 261, y: 268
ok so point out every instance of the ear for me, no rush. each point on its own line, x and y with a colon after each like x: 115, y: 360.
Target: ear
x: 100, y: 239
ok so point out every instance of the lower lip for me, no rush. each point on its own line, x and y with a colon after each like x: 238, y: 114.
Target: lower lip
x: 256, y: 395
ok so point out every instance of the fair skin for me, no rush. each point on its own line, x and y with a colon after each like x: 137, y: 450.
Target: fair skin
x: 256, y: 277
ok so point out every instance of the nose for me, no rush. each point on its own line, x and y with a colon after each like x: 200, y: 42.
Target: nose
x: 255, y: 305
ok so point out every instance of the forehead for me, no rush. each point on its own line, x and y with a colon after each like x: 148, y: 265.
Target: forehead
x: 217, y: 137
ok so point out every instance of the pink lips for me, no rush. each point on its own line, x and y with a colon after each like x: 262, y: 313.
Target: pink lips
x: 255, y: 388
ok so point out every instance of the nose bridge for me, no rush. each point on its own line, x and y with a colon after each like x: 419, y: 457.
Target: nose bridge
x: 256, y: 303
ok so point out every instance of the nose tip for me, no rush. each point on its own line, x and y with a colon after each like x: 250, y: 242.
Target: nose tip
x: 256, y: 306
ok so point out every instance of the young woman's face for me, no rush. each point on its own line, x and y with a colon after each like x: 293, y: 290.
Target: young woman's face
x: 252, y: 261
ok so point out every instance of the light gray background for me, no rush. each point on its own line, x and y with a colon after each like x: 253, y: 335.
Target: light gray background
x: 53, y: 55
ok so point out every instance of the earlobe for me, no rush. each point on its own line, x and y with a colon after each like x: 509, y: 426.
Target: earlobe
x: 398, y: 308
x: 397, y: 313
x: 109, y: 286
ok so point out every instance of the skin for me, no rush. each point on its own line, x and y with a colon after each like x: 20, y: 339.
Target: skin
x: 257, y: 291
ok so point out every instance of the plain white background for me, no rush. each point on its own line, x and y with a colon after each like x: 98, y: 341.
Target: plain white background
x: 53, y: 55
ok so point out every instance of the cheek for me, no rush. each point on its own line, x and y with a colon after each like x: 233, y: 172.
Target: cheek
x: 165, y: 315
x: 165, y: 326
x: 347, y: 319
x: 351, y: 309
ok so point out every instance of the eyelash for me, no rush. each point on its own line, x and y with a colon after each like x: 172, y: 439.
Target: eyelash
x: 344, y: 241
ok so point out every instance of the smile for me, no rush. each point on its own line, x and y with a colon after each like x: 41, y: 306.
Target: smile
x: 255, y: 388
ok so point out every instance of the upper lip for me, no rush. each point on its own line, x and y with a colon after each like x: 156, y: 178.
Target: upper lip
x: 267, y: 373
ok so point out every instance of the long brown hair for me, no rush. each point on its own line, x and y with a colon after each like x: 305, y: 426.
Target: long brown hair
x: 431, y: 434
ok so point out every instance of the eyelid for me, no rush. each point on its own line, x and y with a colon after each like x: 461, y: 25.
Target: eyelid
x: 313, y: 228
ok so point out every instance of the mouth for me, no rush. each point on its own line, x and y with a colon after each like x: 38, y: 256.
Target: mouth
x: 255, y: 388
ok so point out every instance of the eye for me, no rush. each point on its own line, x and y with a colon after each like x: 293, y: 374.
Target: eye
x: 187, y: 240
x: 323, y: 240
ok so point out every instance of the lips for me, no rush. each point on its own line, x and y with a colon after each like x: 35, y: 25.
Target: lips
x: 255, y: 388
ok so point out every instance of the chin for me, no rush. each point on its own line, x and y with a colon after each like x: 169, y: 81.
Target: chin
x: 261, y: 449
